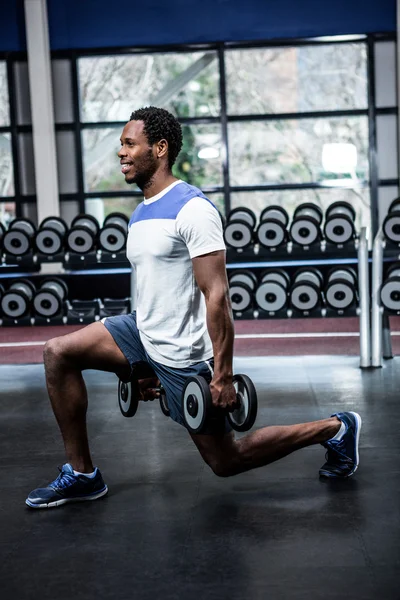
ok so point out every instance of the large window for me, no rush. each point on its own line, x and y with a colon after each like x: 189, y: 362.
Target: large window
x: 7, y: 206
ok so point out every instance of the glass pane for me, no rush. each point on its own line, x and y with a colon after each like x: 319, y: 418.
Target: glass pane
x: 297, y: 79
x: 289, y: 199
x: 299, y: 151
x: 386, y: 142
x: 385, y: 74
x: 7, y: 212
x: 4, y: 105
x: 26, y: 164
x: 102, y: 169
x: 111, y: 87
x: 6, y: 168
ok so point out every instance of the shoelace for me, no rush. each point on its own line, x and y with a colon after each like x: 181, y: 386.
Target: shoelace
x: 63, y: 480
x: 336, y: 454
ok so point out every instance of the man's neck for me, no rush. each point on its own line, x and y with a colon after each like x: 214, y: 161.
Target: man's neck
x: 158, y: 184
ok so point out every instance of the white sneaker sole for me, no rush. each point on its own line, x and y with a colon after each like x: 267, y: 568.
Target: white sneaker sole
x: 66, y: 500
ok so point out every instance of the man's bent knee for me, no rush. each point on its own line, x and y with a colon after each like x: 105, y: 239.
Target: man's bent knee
x: 54, y: 351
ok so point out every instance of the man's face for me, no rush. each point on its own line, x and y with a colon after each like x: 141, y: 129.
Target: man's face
x: 138, y: 159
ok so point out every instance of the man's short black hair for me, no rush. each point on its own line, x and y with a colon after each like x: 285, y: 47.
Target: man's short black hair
x: 159, y: 124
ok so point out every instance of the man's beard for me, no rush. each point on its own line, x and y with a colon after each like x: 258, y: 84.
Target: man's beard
x: 145, y: 177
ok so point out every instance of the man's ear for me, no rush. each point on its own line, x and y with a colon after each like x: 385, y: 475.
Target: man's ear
x: 162, y: 148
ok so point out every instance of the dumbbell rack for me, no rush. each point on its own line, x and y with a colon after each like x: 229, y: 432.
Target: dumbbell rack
x: 355, y: 252
x: 383, y: 251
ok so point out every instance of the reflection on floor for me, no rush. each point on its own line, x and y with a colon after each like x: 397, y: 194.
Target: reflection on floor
x: 170, y: 529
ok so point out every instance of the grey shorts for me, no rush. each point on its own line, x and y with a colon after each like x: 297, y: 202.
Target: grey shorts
x: 124, y: 330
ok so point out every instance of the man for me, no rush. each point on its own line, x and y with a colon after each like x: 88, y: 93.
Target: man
x: 183, y: 326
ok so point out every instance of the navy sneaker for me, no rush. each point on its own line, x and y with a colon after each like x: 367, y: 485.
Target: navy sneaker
x: 68, y: 487
x: 342, y: 456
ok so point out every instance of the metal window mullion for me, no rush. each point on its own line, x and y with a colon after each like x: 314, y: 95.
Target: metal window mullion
x: 77, y: 133
x: 372, y: 151
x: 224, y: 127
x: 14, y: 136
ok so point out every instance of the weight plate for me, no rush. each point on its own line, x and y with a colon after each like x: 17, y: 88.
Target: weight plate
x: 395, y: 205
x: 304, y: 296
x: 164, y: 404
x: 347, y: 274
x: 117, y: 218
x: 243, y: 214
x: 56, y: 224
x: 16, y: 243
x: 128, y: 397
x: 275, y: 212
x: 112, y: 238
x: 340, y: 208
x: 271, y: 233
x: 48, y: 241
x: 244, y: 276
x: 339, y: 229
x: 305, y: 231
x: 313, y: 276
x: 196, y: 403
x: 15, y: 304
x: 80, y: 240
x: 86, y: 221
x: 393, y: 271
x: 340, y: 295
x: 278, y: 275
x: 243, y: 418
x: 271, y: 296
x: 241, y: 296
x: 390, y: 294
x: 56, y: 285
x: 24, y: 225
x: 238, y: 234
x: 46, y: 303
x: 391, y: 227
x: 24, y: 285
x: 308, y: 209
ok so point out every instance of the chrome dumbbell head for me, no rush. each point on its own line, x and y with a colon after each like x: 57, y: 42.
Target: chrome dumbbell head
x: 241, y: 287
x: 49, y: 299
x: 390, y: 290
x: 16, y: 301
x: 271, y: 294
x: 239, y: 230
x: 18, y: 240
x: 82, y: 236
x: 339, y: 223
x: 305, y: 229
x: 305, y: 294
x: 391, y: 223
x: 271, y: 231
x: 341, y: 288
x: 112, y: 237
x: 49, y: 239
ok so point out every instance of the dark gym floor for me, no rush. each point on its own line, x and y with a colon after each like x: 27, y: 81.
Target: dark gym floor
x: 170, y: 529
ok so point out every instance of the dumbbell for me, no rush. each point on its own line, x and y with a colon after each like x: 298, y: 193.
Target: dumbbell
x: 306, y: 224
x: 1, y: 295
x: 390, y: 290
x: 2, y: 232
x: 113, y: 234
x: 49, y: 239
x: 48, y: 301
x: 339, y: 225
x: 242, y: 284
x: 239, y: 230
x: 18, y: 240
x: 272, y: 292
x: 305, y: 293
x: 16, y: 301
x: 198, y: 409
x: 391, y: 223
x: 272, y: 231
x: 129, y: 394
x: 82, y: 236
x: 341, y: 288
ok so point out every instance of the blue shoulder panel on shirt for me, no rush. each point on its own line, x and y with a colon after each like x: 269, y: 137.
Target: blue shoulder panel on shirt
x: 169, y: 205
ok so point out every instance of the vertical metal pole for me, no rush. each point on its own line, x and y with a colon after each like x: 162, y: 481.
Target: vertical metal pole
x: 386, y: 338
x: 377, y: 268
x: 363, y: 286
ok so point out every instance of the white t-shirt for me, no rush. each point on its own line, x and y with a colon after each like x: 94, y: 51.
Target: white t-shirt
x: 165, y: 233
